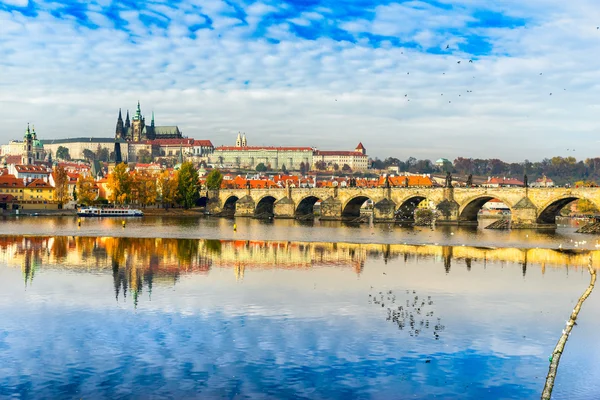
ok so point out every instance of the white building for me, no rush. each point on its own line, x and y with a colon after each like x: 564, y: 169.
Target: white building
x: 357, y: 160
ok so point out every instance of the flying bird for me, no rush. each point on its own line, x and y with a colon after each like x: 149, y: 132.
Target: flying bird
x: 470, y: 61
x: 448, y: 46
x: 458, y: 62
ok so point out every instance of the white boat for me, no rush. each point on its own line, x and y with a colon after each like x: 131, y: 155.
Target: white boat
x: 109, y: 212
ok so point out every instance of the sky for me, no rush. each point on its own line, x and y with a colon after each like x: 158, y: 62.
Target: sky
x: 505, y: 79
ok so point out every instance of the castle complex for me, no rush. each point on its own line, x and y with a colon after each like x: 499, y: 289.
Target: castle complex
x: 136, y: 130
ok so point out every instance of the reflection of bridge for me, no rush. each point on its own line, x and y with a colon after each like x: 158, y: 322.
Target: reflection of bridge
x: 530, y: 207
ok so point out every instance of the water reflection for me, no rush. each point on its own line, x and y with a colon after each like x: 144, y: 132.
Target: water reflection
x: 185, y: 318
x: 138, y: 263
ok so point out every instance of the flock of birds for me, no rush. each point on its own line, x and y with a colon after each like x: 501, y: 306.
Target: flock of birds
x: 413, y: 314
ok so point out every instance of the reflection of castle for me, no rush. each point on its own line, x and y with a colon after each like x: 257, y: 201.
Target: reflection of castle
x: 138, y: 264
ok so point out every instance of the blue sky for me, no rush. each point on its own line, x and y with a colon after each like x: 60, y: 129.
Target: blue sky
x: 317, y: 73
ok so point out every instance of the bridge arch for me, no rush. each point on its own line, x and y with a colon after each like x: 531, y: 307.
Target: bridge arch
x: 229, y: 204
x: 351, y: 209
x: 406, y: 210
x: 548, y: 212
x: 265, y: 207
x: 469, y: 210
x: 306, y: 206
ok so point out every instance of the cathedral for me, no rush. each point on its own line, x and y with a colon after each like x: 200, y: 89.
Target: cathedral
x: 136, y: 130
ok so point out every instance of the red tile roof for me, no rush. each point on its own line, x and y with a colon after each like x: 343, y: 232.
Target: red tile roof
x: 172, y: 142
x: 503, y: 181
x: 256, y: 148
x: 32, y: 169
x: 339, y: 153
x: 203, y: 143
x: 360, y: 146
x: 39, y: 183
x: 11, y: 181
x: 6, y: 198
x: 13, y: 159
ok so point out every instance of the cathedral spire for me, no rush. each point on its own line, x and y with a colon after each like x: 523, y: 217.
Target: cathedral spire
x: 152, y: 122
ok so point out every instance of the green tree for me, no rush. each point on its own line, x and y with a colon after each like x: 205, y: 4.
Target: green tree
x: 89, y: 155
x: 261, y: 167
x: 102, y: 154
x: 144, y: 156
x: 346, y: 168
x: 214, y: 179
x: 336, y: 167
x: 188, y: 187
x: 62, y: 153
x: 321, y: 165
x: 284, y: 169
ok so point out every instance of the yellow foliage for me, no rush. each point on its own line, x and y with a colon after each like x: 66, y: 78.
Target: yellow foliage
x: 86, y: 193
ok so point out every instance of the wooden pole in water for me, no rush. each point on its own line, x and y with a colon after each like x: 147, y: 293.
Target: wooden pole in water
x: 558, y: 350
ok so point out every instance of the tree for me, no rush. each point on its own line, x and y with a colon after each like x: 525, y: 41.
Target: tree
x: 86, y: 192
x: 346, y: 168
x: 214, y: 179
x: 119, y: 183
x: 62, y: 153
x: 586, y: 206
x: 145, y: 188
x: 167, y: 188
x: 144, y: 156
x: 336, y: 167
x: 321, y: 165
x: 61, y: 185
x: 284, y: 169
x: 89, y: 155
x: 102, y: 154
x: 304, y: 167
x: 188, y: 188
x: 261, y: 167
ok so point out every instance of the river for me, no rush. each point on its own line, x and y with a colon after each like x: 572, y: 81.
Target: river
x: 186, y: 308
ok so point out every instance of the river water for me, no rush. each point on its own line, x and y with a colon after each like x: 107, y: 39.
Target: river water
x: 188, y: 308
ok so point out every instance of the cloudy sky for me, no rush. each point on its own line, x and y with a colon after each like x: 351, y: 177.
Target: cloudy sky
x: 510, y: 79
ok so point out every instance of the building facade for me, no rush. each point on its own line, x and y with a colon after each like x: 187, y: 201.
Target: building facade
x: 357, y: 160
x: 248, y: 157
x: 76, y: 146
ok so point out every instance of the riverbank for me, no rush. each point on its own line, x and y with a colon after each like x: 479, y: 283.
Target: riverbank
x: 154, y: 212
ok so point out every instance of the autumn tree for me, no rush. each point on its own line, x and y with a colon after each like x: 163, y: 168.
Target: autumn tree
x: 86, y: 193
x: 61, y: 185
x: 214, y: 180
x: 119, y: 184
x: 144, y: 187
x: 188, y: 188
x: 585, y: 206
x: 167, y: 185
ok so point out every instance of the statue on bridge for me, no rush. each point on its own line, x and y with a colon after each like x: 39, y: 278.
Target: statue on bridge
x: 525, y: 183
x: 470, y: 180
x: 448, y: 180
x: 406, y: 181
x: 387, y: 182
x: 247, y: 183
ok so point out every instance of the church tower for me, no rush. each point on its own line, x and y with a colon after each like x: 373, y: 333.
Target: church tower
x: 244, y: 143
x: 238, y: 141
x: 28, y: 151
x: 150, y: 134
x: 120, y: 131
x: 137, y: 125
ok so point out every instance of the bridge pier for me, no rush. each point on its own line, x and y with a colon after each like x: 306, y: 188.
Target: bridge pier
x: 245, y: 207
x: 284, y: 208
x: 448, y: 209
x: 384, y: 211
x: 331, y: 209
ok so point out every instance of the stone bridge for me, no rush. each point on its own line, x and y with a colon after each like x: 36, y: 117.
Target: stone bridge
x: 530, y: 207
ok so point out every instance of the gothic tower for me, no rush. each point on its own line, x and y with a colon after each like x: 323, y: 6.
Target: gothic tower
x: 137, y: 125
x: 120, y: 131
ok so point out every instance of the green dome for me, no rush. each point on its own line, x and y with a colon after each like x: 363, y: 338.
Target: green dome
x: 37, y: 143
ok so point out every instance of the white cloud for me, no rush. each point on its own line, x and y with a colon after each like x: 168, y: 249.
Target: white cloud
x: 70, y: 80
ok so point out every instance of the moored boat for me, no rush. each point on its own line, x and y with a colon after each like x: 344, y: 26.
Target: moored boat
x: 109, y: 212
